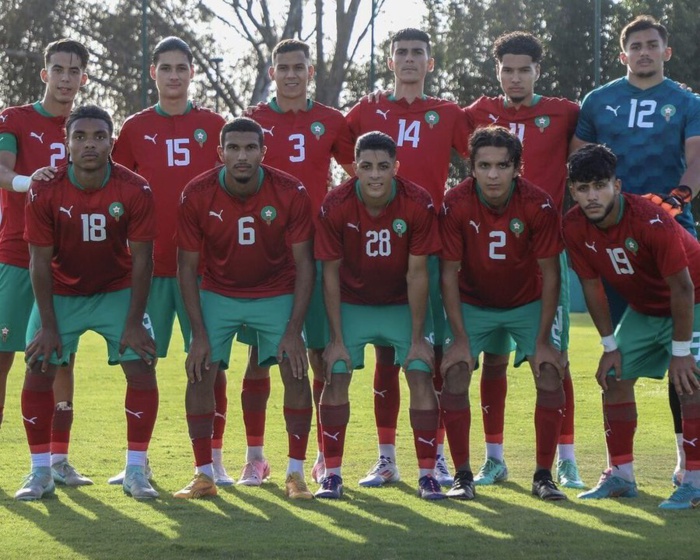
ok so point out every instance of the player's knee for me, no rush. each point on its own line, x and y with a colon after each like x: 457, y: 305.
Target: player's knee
x: 548, y: 379
x: 37, y: 381
x: 457, y: 379
x: 337, y: 392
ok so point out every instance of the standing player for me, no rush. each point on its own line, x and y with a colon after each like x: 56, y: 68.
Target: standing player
x: 377, y: 226
x: 301, y: 136
x: 170, y: 144
x: 500, y: 270
x: 32, y: 146
x: 646, y: 255
x: 254, y: 227
x: 545, y: 126
x: 90, y: 232
x: 425, y: 129
x: 653, y: 126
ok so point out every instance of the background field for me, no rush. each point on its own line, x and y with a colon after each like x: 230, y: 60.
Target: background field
x: 504, y: 522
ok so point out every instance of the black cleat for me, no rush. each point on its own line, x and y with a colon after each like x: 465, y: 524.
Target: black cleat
x: 463, y: 486
x: 544, y: 487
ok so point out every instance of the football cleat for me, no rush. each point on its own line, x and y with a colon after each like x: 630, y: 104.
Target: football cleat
x: 382, y: 472
x: 221, y: 477
x: 685, y: 496
x: 119, y: 478
x: 677, y: 478
x: 64, y: 473
x: 491, y: 471
x: 442, y: 472
x: 295, y: 488
x: 331, y: 487
x: 254, y: 472
x: 567, y: 473
x: 136, y: 484
x: 201, y: 486
x: 429, y: 488
x: 36, y: 485
x: 610, y: 486
x: 544, y: 487
x: 463, y: 486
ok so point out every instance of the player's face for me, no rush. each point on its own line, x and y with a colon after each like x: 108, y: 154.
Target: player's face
x: 410, y: 62
x: 242, y: 155
x: 63, y: 77
x: 89, y: 144
x: 375, y: 170
x: 494, y: 172
x: 598, y: 199
x: 517, y: 74
x: 291, y: 73
x: 172, y: 75
x: 645, y: 54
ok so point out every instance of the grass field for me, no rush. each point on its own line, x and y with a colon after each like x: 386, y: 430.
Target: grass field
x: 504, y: 522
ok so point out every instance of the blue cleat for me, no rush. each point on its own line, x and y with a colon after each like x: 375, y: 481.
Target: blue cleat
x: 568, y: 475
x: 677, y: 478
x: 331, y: 487
x: 37, y: 484
x: 429, y: 488
x: 684, y: 497
x: 610, y: 486
x: 491, y: 471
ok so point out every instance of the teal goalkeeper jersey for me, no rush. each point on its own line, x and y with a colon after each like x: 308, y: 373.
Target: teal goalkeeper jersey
x: 647, y: 130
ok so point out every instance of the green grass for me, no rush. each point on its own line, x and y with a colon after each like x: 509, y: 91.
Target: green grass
x: 505, y: 521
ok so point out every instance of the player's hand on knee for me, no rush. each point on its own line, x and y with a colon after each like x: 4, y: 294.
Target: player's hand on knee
x: 198, y: 359
x: 456, y: 352
x: 683, y: 372
x: 292, y: 348
x: 545, y: 353
x: 137, y: 337
x: 421, y: 350
x: 334, y: 352
x: 609, y: 361
x: 44, y: 343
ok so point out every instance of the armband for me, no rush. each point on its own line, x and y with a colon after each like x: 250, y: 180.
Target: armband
x: 20, y: 183
x: 609, y: 343
x: 680, y: 348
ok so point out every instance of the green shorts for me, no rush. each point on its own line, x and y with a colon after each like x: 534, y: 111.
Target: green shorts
x: 225, y: 316
x: 164, y: 303
x: 383, y: 325
x: 16, y: 301
x: 645, y: 344
x: 103, y: 313
x: 436, y: 322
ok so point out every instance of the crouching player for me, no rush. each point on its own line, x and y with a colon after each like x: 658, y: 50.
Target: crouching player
x: 374, y: 236
x: 645, y: 254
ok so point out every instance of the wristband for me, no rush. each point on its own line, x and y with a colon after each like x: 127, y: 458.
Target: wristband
x: 679, y: 349
x: 609, y: 343
x: 20, y: 183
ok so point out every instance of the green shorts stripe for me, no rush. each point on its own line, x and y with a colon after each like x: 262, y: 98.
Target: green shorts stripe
x: 436, y: 322
x: 16, y: 301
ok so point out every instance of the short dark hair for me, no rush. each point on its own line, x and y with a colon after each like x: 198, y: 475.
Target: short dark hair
x: 172, y: 44
x: 411, y: 34
x: 291, y: 45
x: 242, y: 124
x: 498, y: 137
x: 375, y: 141
x: 89, y: 112
x: 593, y: 162
x: 67, y: 46
x: 642, y: 23
x: 517, y: 42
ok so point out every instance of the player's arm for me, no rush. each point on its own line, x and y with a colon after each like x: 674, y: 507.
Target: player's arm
x: 335, y: 350
x: 292, y: 343
x: 47, y: 339
x: 417, y: 284
x: 459, y: 350
x: 598, y: 308
x: 683, y: 369
x: 199, y: 355
x: 135, y: 334
x: 12, y: 181
x: 576, y: 144
x: 551, y: 284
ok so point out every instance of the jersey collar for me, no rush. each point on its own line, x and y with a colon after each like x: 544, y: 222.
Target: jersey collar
x: 277, y: 109
x: 391, y: 97
x: 483, y: 200
x: 222, y: 179
x: 39, y: 108
x: 74, y: 180
x: 162, y: 113
x: 535, y: 100
x: 358, y: 191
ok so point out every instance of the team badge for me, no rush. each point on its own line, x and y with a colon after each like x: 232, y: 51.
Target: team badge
x: 318, y: 129
x: 268, y: 214
x: 432, y: 118
x: 399, y: 227
x: 668, y: 111
x: 5, y: 333
x: 517, y: 227
x: 116, y: 210
x: 542, y: 122
x: 200, y: 136
x: 631, y: 245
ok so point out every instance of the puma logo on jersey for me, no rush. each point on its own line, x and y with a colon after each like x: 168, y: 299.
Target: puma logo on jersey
x: 475, y: 225
x: 219, y: 415
x: 380, y: 393
x: 32, y: 195
x: 31, y: 420
x: 486, y: 408
x: 690, y: 442
x: 611, y: 109
x: 39, y: 137
x: 183, y: 196
x: 269, y: 130
x: 431, y: 443
x: 147, y: 188
x: 297, y: 436
x: 591, y: 246
x: 356, y: 227
x: 334, y: 437
x: 66, y: 210
x: 656, y: 220
x: 301, y: 188
x: 214, y: 214
x: 445, y: 208
x: 608, y: 432
x: 384, y: 114
x: 548, y: 204
x: 431, y: 206
x: 3, y: 118
x: 493, y: 118
x: 137, y: 414
x: 150, y: 138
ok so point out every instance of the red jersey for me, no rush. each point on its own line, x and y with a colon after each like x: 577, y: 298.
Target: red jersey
x: 375, y: 249
x: 544, y: 128
x: 634, y: 255
x: 89, y: 230
x: 169, y: 151
x: 499, y: 252
x: 424, y: 131
x: 38, y: 140
x: 302, y: 144
x: 246, y: 244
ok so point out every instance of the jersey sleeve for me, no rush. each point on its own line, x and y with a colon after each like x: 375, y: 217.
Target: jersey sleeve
x: 546, y: 237
x: 142, y: 225
x: 8, y: 131
x: 666, y: 246
x: 451, y: 232
x: 354, y: 120
x: 328, y: 242
x: 585, y: 128
x: 122, y: 152
x: 461, y: 132
x: 38, y: 226
x: 573, y: 246
x: 300, y: 227
x: 426, y: 236
x: 189, y: 230
x: 692, y: 127
x: 343, y: 147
